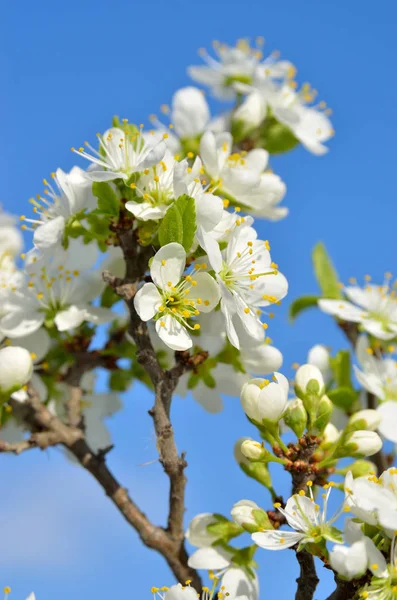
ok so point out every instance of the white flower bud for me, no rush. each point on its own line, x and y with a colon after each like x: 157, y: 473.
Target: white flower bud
x: 197, y: 533
x: 252, y: 111
x: 362, y: 443
x: 349, y: 561
x: 365, y: 419
x: 265, y: 400
x: 319, y: 357
x: 331, y: 434
x: 309, y: 379
x: 241, y: 459
x: 253, y: 450
x: 16, y: 368
x: 242, y: 512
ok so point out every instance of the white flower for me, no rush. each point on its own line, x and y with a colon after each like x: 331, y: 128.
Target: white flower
x: 172, y: 300
x: 263, y: 400
x: 242, y: 512
x: 59, y: 206
x: 122, y: 154
x: 307, y: 376
x: 319, y: 357
x: 235, y: 174
x: 10, y: 237
x: 60, y: 293
x: 197, y: 533
x: 189, y: 117
x: 16, y: 368
x: 383, y: 585
x: 236, y: 584
x: 235, y: 67
x: 303, y: 515
x: 10, y: 280
x: 373, y: 500
x: 376, y: 310
x: 245, y: 285
x: 261, y: 359
x: 252, y: 450
x: 264, y: 199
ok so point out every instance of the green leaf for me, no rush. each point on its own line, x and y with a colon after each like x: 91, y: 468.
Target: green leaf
x: 108, y: 202
x: 341, y: 368
x: 301, y: 304
x: 343, y: 397
x: 187, y: 208
x: 171, y: 228
x: 325, y: 272
x: 120, y: 380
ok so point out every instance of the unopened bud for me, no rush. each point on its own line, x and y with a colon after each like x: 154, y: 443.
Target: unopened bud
x: 323, y: 414
x: 250, y: 516
x: 360, y: 468
x: 255, y: 451
x: 331, y: 434
x: 368, y: 419
x: 264, y: 400
x: 248, y: 116
x: 309, y: 380
x: 16, y: 368
x: 197, y: 533
x: 295, y: 417
x: 319, y: 357
x: 360, y: 444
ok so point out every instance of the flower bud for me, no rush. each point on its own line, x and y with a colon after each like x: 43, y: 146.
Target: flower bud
x: 360, y: 468
x: 368, y: 419
x: 319, y: 357
x: 360, y: 444
x: 295, y: 417
x: 309, y: 380
x: 256, y: 470
x: 254, y: 451
x: 323, y: 414
x: 331, y: 434
x: 248, y: 116
x: 263, y: 400
x: 197, y: 533
x: 250, y: 516
x: 16, y: 368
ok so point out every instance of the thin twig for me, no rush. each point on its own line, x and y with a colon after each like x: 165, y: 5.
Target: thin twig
x: 307, y: 580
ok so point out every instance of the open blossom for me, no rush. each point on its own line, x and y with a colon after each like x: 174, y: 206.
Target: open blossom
x: 232, y: 173
x: 58, y: 293
x: 263, y: 400
x: 235, y: 65
x: 69, y: 199
x: 304, y: 516
x: 248, y: 281
x: 172, y: 300
x: 121, y: 154
x: 374, y: 307
x: 379, y: 377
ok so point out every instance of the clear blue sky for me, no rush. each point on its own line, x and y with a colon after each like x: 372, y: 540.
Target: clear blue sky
x: 67, y: 68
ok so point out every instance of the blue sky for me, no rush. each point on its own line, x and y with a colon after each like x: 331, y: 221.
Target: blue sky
x: 67, y: 68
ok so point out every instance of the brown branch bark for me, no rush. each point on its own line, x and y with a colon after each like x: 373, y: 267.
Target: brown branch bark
x: 307, y: 580
x: 345, y: 590
x: 49, y: 430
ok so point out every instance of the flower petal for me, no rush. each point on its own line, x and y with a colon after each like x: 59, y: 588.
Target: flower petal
x: 147, y: 301
x: 173, y: 333
x: 207, y: 290
x: 209, y: 558
x: 168, y: 265
x: 388, y: 424
x: 277, y: 540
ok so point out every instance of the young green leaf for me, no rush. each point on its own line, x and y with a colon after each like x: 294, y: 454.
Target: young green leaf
x: 301, y: 304
x: 108, y: 202
x: 187, y: 208
x: 171, y: 228
x: 325, y: 272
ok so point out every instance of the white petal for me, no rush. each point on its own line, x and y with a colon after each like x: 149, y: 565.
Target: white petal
x: 209, y: 558
x: 209, y: 398
x: 261, y: 359
x: 358, y: 296
x: 190, y: 112
x: 238, y: 583
x: 342, y: 309
x: 209, y: 211
x: 154, y: 156
x: 177, y: 592
x: 349, y: 561
x: 70, y: 318
x: 19, y: 324
x: 277, y: 540
x: 146, y: 211
x: 296, y: 507
x: 173, y: 333
x: 49, y: 234
x: 388, y: 425
x: 207, y: 290
x: 98, y: 314
x: 38, y: 342
x: 147, y: 301
x: 257, y: 159
x: 168, y: 265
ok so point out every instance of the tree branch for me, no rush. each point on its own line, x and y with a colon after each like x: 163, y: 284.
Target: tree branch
x: 307, y: 580
x: 50, y: 430
x: 345, y: 590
